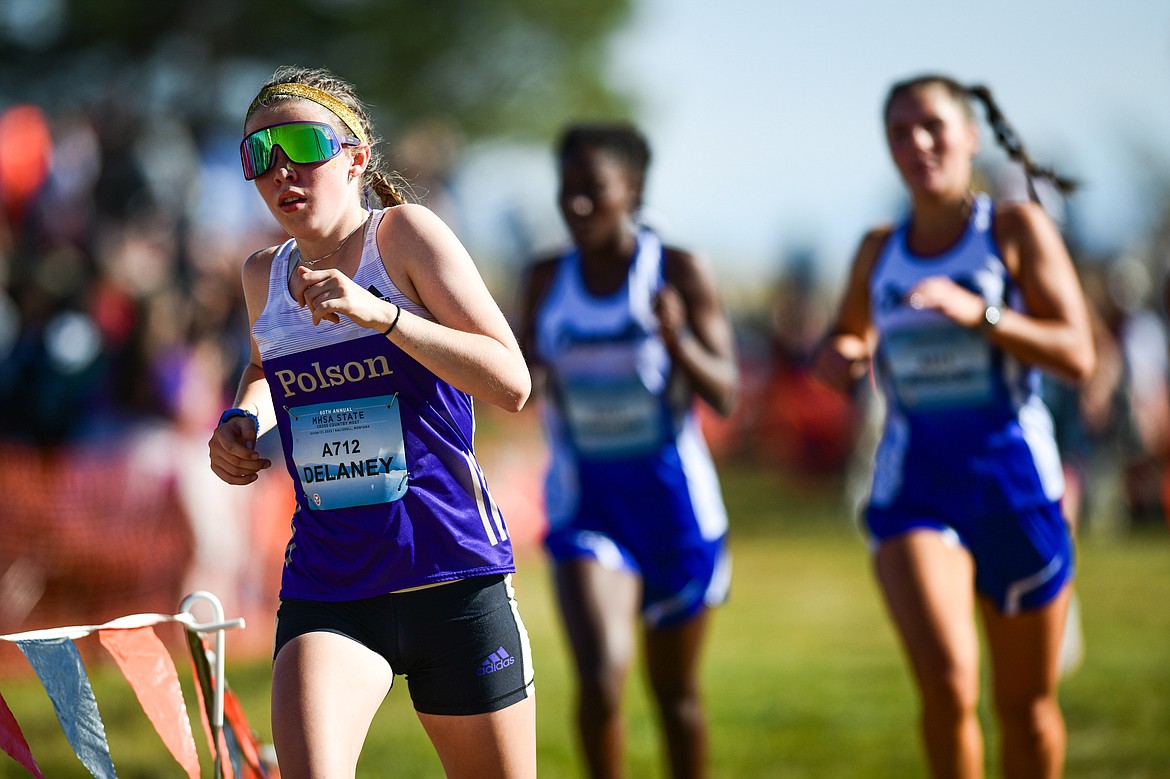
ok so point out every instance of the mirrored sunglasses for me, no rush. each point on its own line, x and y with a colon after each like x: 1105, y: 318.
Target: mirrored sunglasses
x: 303, y: 142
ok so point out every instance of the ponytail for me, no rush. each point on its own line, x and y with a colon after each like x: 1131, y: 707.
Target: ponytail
x: 384, y: 187
x: 1005, y: 134
x: 1007, y: 137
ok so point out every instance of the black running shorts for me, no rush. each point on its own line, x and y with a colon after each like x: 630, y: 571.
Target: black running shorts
x: 461, y: 646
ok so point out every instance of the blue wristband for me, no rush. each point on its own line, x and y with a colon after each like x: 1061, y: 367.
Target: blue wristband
x: 231, y: 413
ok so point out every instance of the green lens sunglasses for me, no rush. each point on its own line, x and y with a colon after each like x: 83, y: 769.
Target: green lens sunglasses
x: 303, y: 142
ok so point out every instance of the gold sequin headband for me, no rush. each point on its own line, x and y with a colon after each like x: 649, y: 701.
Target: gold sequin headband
x: 318, y: 96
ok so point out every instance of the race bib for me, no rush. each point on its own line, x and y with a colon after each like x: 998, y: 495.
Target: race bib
x: 350, y: 453
x: 614, y: 417
x: 940, y: 367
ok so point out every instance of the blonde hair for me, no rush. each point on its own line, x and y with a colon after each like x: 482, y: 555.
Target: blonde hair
x: 320, y: 86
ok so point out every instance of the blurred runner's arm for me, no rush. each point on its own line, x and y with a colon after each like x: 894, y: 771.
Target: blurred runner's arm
x: 1056, y: 332
x: 537, y: 281
x: 845, y: 356
x: 696, y: 330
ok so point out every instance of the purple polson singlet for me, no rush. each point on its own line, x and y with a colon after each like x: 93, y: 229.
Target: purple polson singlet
x: 389, y: 493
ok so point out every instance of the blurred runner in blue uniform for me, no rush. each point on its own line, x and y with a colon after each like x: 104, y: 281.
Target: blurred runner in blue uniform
x: 625, y: 333
x: 957, y: 308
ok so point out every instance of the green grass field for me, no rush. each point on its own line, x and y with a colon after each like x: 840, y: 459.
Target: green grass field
x: 803, y: 675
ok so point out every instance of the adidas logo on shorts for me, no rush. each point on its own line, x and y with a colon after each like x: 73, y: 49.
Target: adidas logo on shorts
x: 496, y: 661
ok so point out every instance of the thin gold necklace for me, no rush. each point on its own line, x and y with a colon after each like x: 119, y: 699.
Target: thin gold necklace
x: 311, y: 263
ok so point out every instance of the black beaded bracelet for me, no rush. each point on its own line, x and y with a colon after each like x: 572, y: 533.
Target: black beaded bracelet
x: 393, y: 324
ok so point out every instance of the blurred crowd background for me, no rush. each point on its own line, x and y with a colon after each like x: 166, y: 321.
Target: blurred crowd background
x: 124, y: 222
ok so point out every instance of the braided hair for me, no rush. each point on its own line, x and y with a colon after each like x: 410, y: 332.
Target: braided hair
x: 1005, y: 134
x: 388, y: 187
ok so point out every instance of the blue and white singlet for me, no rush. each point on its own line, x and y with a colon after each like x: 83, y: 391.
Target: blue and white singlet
x: 389, y: 493
x: 968, y: 445
x: 631, y: 481
x: 951, y: 395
